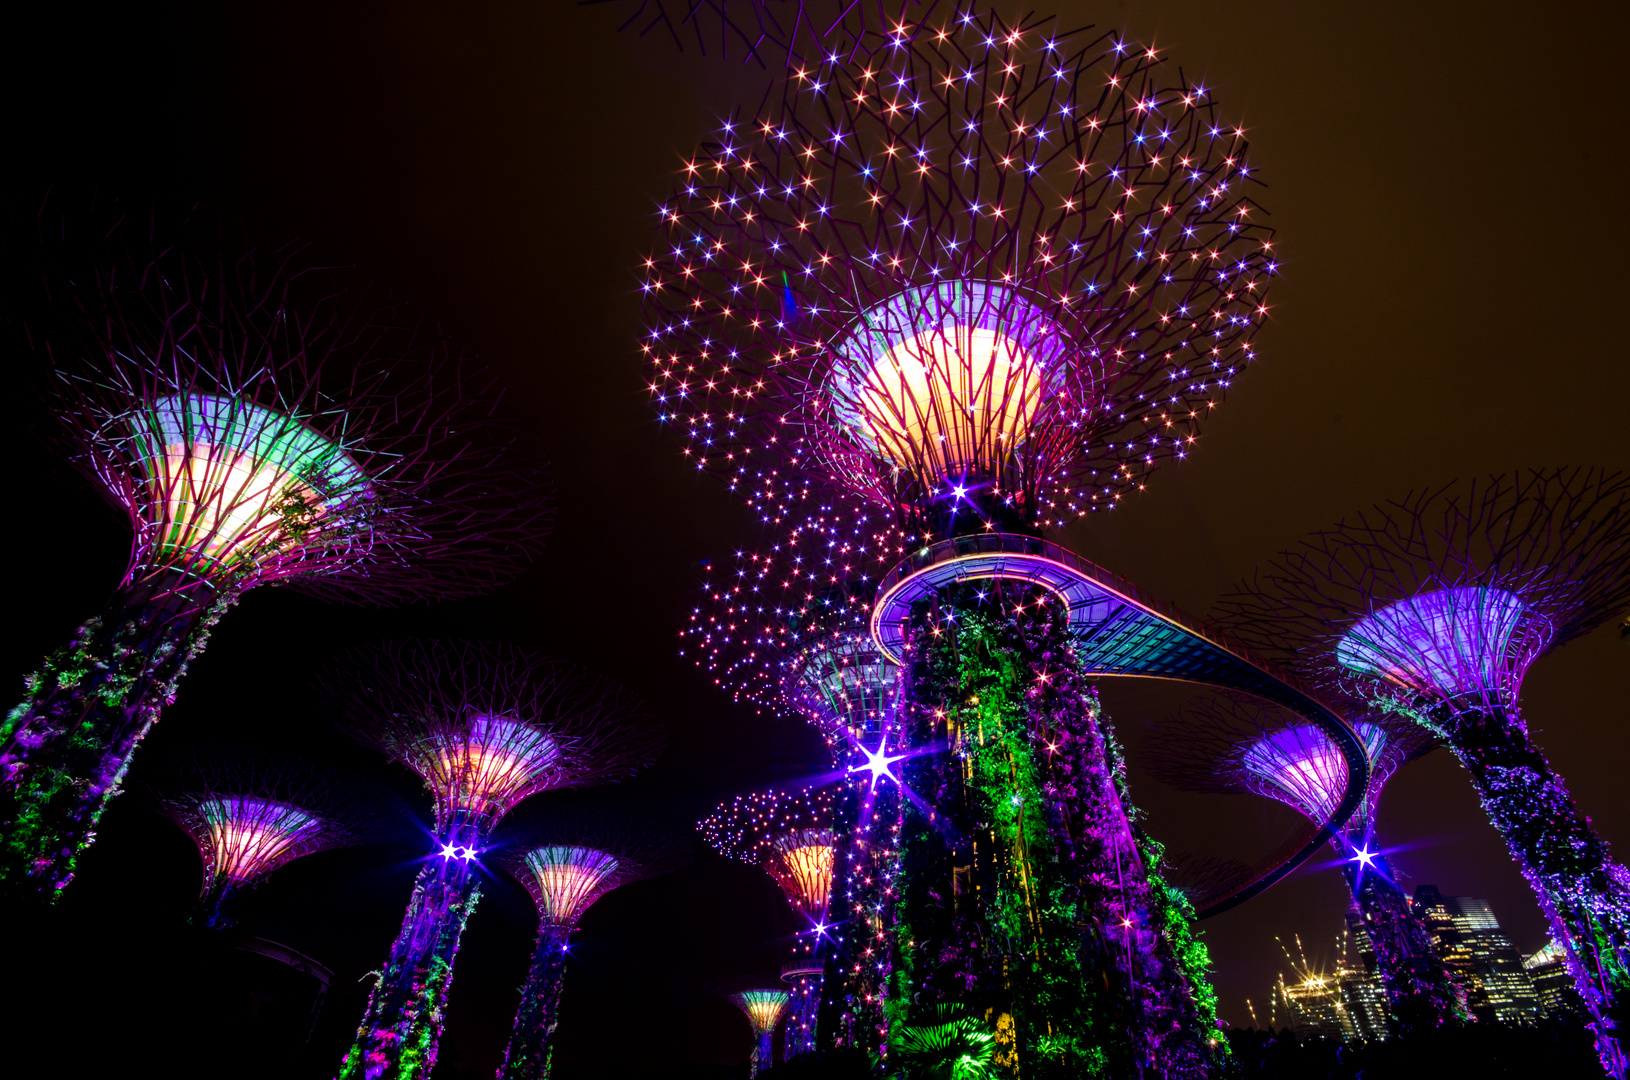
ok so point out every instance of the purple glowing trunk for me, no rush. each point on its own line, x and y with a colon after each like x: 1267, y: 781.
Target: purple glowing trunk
x: 65, y: 750
x: 803, y: 1009
x: 402, y: 1025
x: 532, y: 1040
x: 1584, y: 893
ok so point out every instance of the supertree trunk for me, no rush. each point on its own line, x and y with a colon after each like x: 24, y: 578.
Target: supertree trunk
x: 532, y: 1041
x: 864, y: 909
x: 402, y: 1024
x: 1025, y: 899
x: 1169, y: 1004
x: 1584, y: 893
x: 65, y: 749
x: 1421, y: 994
x: 803, y: 1013
x: 763, y: 1053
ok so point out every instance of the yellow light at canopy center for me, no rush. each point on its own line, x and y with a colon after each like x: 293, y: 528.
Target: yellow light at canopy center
x: 953, y: 400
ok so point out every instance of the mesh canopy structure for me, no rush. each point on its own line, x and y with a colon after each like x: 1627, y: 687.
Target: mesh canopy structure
x: 958, y: 266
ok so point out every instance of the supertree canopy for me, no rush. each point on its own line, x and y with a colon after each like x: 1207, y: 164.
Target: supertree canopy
x: 257, y: 425
x: 567, y: 860
x: 962, y: 267
x: 1235, y: 744
x: 764, y: 1009
x: 790, y: 835
x: 485, y: 727
x: 1433, y: 607
x: 980, y: 278
x: 252, y: 813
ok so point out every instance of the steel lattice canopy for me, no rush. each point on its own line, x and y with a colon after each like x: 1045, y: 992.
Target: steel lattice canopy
x: 1119, y: 630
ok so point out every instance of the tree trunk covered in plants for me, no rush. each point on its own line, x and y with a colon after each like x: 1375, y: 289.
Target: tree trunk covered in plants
x: 532, y: 1041
x: 402, y: 1024
x: 1584, y: 893
x: 1028, y: 900
x: 65, y: 749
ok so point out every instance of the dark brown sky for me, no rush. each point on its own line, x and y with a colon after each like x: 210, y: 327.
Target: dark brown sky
x: 1447, y: 182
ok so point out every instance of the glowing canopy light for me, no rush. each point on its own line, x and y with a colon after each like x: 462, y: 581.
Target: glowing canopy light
x: 763, y: 1008
x: 242, y: 839
x: 1448, y: 642
x: 945, y: 381
x: 230, y: 481
x: 1301, y: 766
x: 789, y: 834
x: 485, y: 768
x: 802, y: 865
x: 565, y: 881
x: 842, y: 682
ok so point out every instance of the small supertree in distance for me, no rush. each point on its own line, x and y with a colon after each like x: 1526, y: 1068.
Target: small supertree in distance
x: 790, y: 835
x: 1230, y: 743
x: 764, y: 1009
x: 486, y: 727
x: 982, y: 277
x: 1434, y: 606
x: 567, y: 860
x: 250, y: 813
x: 258, y: 424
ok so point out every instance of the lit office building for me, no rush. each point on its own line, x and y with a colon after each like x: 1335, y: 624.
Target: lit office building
x: 1469, y: 938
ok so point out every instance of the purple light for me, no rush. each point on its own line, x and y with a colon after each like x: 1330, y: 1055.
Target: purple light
x: 1449, y: 642
x: 878, y: 763
x: 1301, y: 766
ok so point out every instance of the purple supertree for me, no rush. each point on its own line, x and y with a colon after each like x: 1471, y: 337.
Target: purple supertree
x: 979, y: 278
x: 790, y: 835
x: 1236, y: 744
x: 567, y: 860
x: 252, y: 813
x: 485, y: 727
x: 257, y: 425
x: 1433, y: 607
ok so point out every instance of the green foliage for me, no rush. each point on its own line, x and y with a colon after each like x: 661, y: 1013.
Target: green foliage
x: 949, y: 1046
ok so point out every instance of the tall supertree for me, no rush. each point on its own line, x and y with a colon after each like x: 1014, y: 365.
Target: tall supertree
x: 980, y: 278
x: 1433, y: 607
x: 1236, y: 744
x: 258, y: 424
x: 567, y: 860
x: 252, y: 813
x: 790, y: 835
x: 485, y: 727
x: 764, y: 1009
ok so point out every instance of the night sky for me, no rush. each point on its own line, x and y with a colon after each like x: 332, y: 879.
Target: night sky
x: 1446, y: 181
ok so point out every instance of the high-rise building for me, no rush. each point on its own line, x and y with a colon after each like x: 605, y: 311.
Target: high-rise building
x: 1553, y: 983
x: 1363, y: 989
x: 1469, y: 938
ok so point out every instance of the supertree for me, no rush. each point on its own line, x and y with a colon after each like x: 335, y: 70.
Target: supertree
x: 1433, y: 607
x: 485, y: 727
x: 1235, y: 744
x: 251, y: 813
x: 788, y: 632
x: 790, y: 835
x: 764, y: 1009
x: 567, y: 860
x: 980, y: 278
x: 258, y: 424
